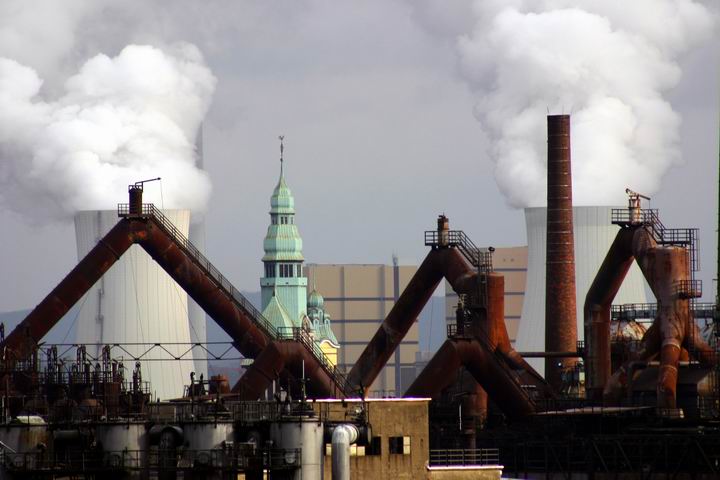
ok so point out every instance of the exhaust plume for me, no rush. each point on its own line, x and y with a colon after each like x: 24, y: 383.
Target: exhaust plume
x: 606, y: 62
x: 118, y: 120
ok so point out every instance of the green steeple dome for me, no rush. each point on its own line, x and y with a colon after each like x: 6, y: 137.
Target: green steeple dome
x: 315, y: 300
x: 282, y: 241
x: 282, y: 200
x: 283, y: 256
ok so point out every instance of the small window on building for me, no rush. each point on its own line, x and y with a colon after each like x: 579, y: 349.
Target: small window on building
x: 375, y: 447
x: 291, y: 220
x: 273, y: 220
x: 399, y: 445
x: 298, y: 270
x: 269, y: 270
x: 357, y: 451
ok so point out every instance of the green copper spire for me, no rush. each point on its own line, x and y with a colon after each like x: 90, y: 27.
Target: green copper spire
x: 283, y: 254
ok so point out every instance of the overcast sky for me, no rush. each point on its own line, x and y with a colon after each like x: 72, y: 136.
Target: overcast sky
x: 380, y: 124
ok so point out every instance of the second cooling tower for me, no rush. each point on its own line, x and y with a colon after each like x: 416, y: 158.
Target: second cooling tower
x: 593, y: 236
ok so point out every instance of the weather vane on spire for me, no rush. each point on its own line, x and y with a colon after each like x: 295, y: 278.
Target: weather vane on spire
x: 282, y: 148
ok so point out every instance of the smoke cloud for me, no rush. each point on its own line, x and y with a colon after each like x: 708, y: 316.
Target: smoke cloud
x: 117, y: 120
x: 608, y: 63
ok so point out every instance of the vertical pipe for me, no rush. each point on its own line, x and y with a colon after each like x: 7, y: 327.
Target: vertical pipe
x: 342, y: 437
x: 135, y: 193
x: 560, y: 321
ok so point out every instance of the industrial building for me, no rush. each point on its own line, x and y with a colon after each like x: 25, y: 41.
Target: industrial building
x: 636, y: 398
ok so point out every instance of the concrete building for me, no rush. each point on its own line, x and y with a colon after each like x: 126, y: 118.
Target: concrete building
x: 136, y: 301
x: 512, y: 263
x: 358, y: 298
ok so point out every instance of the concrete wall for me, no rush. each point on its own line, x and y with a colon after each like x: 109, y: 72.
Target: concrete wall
x: 462, y: 473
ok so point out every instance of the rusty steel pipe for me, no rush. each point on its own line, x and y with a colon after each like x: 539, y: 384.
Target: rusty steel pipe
x: 439, y: 263
x: 487, y: 370
x: 19, y: 344
x: 596, y: 311
x: 560, y: 309
x: 247, y: 336
x: 286, y: 355
x: 398, y: 322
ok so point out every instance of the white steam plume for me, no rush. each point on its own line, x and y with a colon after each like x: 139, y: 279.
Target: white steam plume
x: 119, y: 120
x: 608, y: 62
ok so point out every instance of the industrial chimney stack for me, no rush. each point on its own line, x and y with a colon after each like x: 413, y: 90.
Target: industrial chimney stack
x: 560, y: 309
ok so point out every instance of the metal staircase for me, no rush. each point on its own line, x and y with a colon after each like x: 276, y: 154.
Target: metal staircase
x: 149, y: 211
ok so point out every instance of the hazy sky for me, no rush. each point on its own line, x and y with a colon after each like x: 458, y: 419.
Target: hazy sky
x: 380, y: 118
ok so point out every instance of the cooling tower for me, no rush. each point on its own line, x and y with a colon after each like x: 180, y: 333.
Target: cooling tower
x: 197, y: 316
x: 593, y: 235
x: 136, y: 302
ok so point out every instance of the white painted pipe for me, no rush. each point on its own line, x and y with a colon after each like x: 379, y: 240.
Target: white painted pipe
x: 342, y: 437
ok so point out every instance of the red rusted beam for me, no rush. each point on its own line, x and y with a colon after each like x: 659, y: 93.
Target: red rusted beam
x: 21, y: 341
x: 398, y: 322
x: 487, y: 370
x: 596, y: 311
x: 291, y: 356
x: 246, y: 335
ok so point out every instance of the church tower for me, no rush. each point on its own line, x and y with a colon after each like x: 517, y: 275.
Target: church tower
x: 283, y: 287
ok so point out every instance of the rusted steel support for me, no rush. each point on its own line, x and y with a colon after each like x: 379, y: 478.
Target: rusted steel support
x: 246, y: 335
x: 19, y: 344
x: 596, y: 311
x: 398, y: 322
x: 287, y: 355
x: 487, y: 370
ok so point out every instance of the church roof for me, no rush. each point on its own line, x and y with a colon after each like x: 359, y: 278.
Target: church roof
x: 324, y: 333
x: 278, y: 317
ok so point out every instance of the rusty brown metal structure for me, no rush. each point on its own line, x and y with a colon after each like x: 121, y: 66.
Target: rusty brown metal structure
x: 560, y: 307
x: 479, y: 361
x: 145, y: 226
x: 481, y: 345
x: 673, y: 336
x: 279, y: 358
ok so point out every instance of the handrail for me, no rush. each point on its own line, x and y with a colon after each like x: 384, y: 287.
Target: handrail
x: 649, y: 218
x: 301, y: 335
x: 649, y: 311
x: 457, y: 238
x: 464, y: 457
x: 149, y: 210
